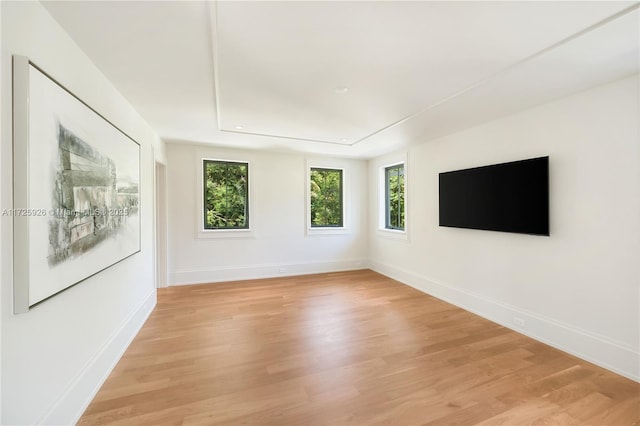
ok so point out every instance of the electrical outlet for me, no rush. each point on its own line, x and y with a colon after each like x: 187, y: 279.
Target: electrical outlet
x: 519, y: 322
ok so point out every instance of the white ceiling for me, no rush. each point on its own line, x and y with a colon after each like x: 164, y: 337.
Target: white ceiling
x: 413, y: 70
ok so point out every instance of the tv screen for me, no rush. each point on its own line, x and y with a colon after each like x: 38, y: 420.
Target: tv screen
x: 507, y: 197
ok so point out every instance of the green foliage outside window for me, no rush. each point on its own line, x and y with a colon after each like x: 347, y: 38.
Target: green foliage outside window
x: 394, y: 188
x: 326, y: 198
x: 226, y: 200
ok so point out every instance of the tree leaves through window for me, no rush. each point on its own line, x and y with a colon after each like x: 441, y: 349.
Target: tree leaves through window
x: 326, y: 198
x: 226, y: 201
x: 394, y: 189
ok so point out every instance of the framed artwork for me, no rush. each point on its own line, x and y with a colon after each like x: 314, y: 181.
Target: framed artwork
x: 76, y: 192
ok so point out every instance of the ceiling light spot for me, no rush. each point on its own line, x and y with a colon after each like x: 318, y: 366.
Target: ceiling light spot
x: 239, y: 127
x: 344, y: 140
x: 341, y: 89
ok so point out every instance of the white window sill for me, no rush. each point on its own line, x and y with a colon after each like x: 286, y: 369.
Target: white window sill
x: 327, y: 231
x: 393, y: 234
x: 212, y: 234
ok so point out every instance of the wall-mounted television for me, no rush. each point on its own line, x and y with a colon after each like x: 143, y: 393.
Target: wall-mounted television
x: 507, y: 197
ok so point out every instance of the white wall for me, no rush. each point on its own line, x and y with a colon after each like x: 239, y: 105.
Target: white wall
x: 1, y: 221
x: 278, y: 238
x: 55, y: 357
x: 578, y: 288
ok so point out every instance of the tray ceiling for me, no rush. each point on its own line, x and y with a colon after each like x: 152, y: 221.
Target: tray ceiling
x: 346, y: 78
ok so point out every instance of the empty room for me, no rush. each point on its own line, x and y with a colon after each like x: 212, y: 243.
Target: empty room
x: 312, y: 213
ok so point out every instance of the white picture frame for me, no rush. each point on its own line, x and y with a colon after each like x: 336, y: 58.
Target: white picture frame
x: 76, y: 189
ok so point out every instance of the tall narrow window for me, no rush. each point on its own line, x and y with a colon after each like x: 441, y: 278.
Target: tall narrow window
x: 226, y: 194
x: 326, y: 198
x: 394, y: 190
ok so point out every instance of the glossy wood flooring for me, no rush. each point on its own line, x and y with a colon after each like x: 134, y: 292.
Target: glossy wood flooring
x: 346, y: 348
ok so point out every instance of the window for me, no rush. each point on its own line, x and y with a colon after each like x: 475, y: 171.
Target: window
x: 226, y: 194
x: 326, y: 193
x: 394, y: 197
x: 392, y: 202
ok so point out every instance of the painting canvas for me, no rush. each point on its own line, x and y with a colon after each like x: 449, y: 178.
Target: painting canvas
x: 76, y: 189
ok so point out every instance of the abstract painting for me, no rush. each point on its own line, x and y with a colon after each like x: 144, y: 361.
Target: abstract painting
x: 76, y: 189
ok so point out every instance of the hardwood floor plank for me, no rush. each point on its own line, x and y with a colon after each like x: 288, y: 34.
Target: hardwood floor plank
x: 349, y: 348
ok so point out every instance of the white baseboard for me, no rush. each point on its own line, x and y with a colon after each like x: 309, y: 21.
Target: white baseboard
x: 69, y: 407
x: 237, y: 273
x: 600, y: 350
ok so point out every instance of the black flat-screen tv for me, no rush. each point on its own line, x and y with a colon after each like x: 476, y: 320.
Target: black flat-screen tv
x: 507, y: 197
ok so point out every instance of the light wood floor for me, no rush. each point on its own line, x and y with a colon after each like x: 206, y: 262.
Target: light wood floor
x: 346, y: 348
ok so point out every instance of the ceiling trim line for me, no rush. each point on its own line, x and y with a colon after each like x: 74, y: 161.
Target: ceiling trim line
x: 213, y: 25
x: 283, y: 137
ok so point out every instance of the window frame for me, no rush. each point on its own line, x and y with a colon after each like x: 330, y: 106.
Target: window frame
x: 247, y: 204
x: 341, y: 191
x: 387, y: 201
x: 223, y: 233
x: 331, y: 164
x: 379, y: 165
